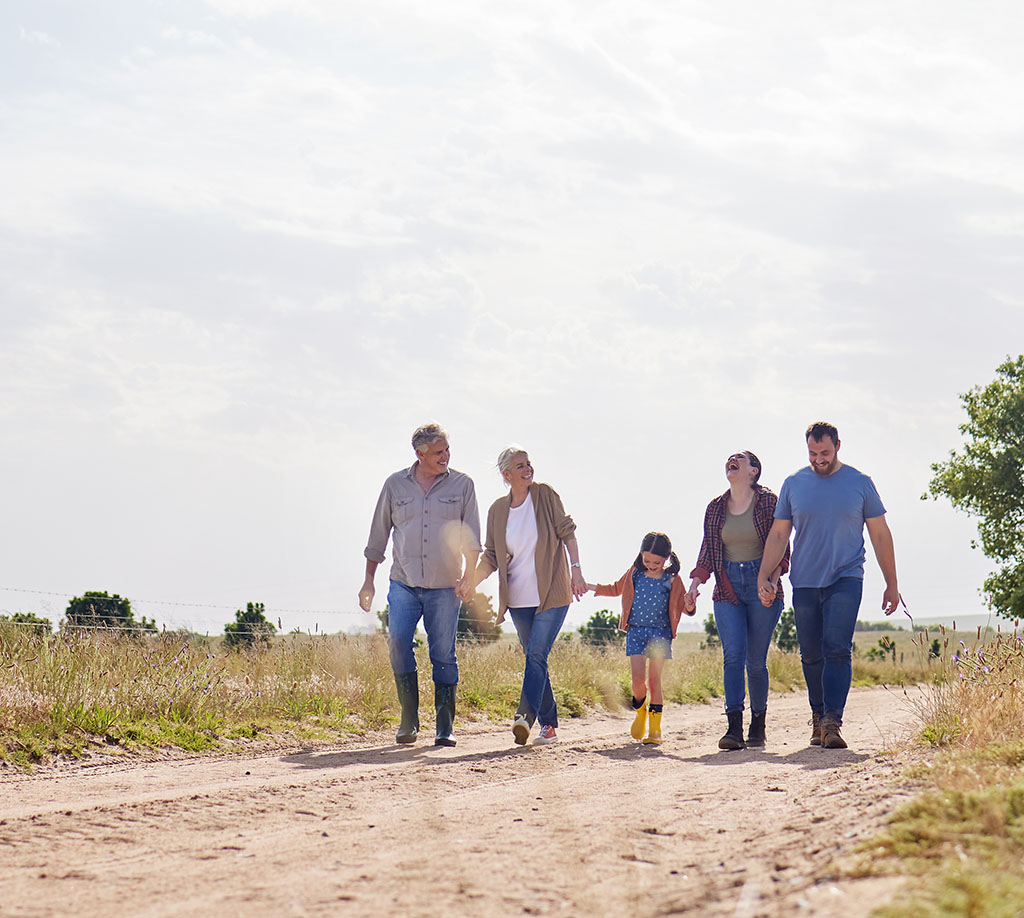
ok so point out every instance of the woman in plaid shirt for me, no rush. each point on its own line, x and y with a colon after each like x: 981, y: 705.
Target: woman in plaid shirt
x: 735, y: 528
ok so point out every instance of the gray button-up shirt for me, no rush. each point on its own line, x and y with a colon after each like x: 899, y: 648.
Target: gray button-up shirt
x: 430, y: 531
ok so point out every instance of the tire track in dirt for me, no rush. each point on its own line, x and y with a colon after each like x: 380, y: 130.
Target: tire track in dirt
x: 595, y: 824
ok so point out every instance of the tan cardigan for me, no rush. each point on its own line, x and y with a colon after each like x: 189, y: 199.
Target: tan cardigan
x: 554, y: 528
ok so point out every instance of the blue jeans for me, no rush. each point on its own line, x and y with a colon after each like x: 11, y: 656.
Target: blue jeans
x: 745, y: 629
x: 537, y: 632
x: 825, y: 619
x: 439, y: 610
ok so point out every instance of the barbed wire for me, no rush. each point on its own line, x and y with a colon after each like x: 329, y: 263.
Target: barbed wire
x: 276, y: 611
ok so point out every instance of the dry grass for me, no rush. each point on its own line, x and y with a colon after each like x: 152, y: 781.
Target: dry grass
x: 59, y: 694
x: 964, y: 835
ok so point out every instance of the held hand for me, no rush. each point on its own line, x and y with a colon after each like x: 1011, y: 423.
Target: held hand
x: 690, y: 602
x: 465, y: 588
x: 579, y: 585
x: 366, y: 596
x: 766, y: 591
x: 890, y: 599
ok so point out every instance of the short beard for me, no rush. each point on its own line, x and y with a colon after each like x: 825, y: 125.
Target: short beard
x: 831, y: 468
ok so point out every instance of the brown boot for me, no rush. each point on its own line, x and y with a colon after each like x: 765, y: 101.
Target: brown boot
x: 830, y: 736
x: 815, y: 729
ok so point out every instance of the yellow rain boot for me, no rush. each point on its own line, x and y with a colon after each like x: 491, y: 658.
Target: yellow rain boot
x: 640, y: 721
x: 654, y: 731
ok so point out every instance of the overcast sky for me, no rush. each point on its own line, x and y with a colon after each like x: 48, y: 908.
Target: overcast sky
x: 246, y: 246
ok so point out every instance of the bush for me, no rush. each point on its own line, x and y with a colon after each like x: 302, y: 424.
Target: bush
x: 30, y: 623
x: 785, y: 633
x: 250, y: 628
x: 602, y: 628
x: 95, y: 609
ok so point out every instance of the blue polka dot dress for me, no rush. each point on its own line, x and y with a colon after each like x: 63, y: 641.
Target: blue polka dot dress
x: 650, y: 633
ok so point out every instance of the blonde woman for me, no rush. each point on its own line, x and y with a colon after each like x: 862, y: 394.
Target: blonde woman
x: 528, y: 537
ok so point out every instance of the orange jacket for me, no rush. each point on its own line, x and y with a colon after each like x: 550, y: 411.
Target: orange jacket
x: 624, y: 587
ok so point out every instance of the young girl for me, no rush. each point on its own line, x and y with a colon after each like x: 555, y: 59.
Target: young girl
x: 652, y: 603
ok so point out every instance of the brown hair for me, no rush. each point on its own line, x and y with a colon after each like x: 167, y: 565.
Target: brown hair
x: 821, y: 429
x: 657, y: 543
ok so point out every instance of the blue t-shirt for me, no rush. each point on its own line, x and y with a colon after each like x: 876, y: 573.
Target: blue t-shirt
x: 650, y: 601
x: 828, y: 520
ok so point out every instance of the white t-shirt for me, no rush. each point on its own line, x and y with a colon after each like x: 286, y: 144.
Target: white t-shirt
x: 521, y: 539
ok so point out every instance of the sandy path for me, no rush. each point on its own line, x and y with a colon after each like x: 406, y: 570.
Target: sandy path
x: 592, y: 825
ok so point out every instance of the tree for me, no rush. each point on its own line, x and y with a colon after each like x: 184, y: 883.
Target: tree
x: 711, y: 631
x: 602, y: 628
x: 29, y: 622
x: 986, y: 479
x: 785, y: 633
x: 94, y: 609
x: 249, y: 629
x: 477, y: 619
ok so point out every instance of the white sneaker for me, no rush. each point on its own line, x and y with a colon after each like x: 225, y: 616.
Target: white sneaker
x: 547, y: 735
x: 521, y: 730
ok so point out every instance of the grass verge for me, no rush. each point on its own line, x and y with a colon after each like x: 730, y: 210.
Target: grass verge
x: 63, y: 694
x: 962, y: 837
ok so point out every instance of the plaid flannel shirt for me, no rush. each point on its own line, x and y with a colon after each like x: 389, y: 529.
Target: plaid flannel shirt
x: 711, y: 559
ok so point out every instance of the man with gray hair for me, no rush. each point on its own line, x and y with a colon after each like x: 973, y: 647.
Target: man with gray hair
x: 430, y: 513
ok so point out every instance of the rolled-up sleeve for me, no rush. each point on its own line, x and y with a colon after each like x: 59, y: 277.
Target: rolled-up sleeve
x: 380, y: 527
x: 470, y: 520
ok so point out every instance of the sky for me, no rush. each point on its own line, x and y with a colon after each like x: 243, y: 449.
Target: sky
x: 247, y: 246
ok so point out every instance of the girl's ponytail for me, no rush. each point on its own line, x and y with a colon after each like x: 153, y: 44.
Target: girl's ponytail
x: 674, y: 565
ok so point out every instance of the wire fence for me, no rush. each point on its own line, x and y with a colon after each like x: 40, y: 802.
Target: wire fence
x: 369, y: 620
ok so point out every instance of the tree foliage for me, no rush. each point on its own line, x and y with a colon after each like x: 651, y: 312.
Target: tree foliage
x: 477, y: 619
x: 601, y: 628
x: 985, y: 478
x: 785, y: 632
x: 30, y: 622
x: 95, y: 609
x: 711, y: 638
x: 250, y: 628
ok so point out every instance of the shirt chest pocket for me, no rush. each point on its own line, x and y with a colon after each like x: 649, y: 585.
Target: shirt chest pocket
x: 450, y: 507
x: 403, y: 510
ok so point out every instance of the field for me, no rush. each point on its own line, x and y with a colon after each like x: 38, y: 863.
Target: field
x: 240, y: 772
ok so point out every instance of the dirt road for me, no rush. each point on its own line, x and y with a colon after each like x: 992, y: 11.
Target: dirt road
x: 592, y: 825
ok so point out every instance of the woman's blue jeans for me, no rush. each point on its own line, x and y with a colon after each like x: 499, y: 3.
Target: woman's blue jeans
x: 825, y: 620
x: 537, y: 632
x: 745, y: 629
x: 439, y: 609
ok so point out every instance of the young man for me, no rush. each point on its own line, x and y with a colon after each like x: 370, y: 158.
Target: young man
x: 828, y: 504
x: 430, y: 513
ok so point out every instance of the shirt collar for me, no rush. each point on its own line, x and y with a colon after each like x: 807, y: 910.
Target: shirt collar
x: 411, y: 472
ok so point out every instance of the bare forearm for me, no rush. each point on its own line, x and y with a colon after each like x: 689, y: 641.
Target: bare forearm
x: 885, y: 554
x: 774, y: 550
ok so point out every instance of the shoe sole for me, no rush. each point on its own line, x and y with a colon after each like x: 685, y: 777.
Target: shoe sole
x: 445, y: 741
x: 540, y: 741
x: 520, y: 733
x: 404, y: 739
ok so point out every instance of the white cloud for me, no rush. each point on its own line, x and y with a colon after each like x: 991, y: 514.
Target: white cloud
x: 35, y: 37
x: 267, y: 234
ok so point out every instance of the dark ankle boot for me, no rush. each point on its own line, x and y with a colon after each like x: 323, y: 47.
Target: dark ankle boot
x: 755, y: 734
x: 444, y: 706
x: 733, y: 738
x: 409, y: 698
